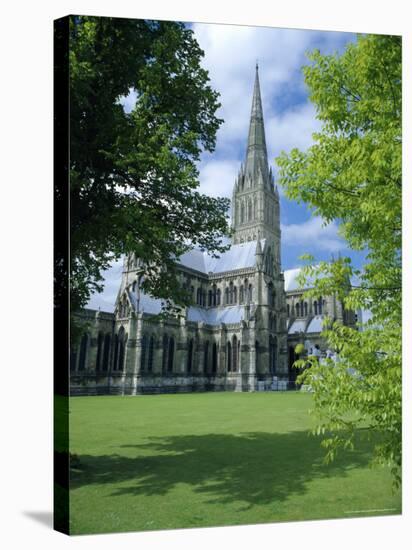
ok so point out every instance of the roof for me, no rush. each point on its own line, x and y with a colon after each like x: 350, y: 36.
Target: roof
x: 239, y: 256
x: 215, y: 316
x: 316, y: 324
x: 297, y: 326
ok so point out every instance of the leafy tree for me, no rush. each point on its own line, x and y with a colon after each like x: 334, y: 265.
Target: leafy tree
x: 352, y: 174
x: 133, y: 175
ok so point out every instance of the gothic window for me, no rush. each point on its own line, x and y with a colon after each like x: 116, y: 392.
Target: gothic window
x: 83, y: 351
x: 192, y: 293
x: 241, y: 299
x: 226, y: 295
x: 306, y: 309
x: 234, y: 351
x: 255, y: 208
x: 229, y: 357
x: 235, y: 295
x: 190, y: 356
x: 143, y: 354
x: 288, y: 310
x: 214, y: 358
x: 116, y: 351
x: 249, y: 209
x: 214, y: 295
x: 100, y: 340
x: 150, y: 355
x: 210, y: 294
x: 320, y: 304
x: 250, y: 293
x: 297, y: 309
x: 231, y: 293
x: 199, y: 297
x: 171, y: 354
x: 206, y: 358
x: 121, y: 349
x: 218, y: 297
x: 315, y: 307
x: 165, y: 350
x: 242, y: 212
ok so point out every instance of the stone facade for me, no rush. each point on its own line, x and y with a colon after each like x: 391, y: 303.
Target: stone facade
x: 244, y: 320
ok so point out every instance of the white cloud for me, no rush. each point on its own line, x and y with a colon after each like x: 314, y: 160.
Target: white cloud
x: 314, y: 235
x: 217, y: 177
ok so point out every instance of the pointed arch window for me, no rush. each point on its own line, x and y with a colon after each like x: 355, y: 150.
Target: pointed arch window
x: 84, y: 344
x: 297, y: 307
x: 249, y: 210
x: 218, y: 294
x: 315, y: 307
x: 320, y: 305
x: 171, y: 354
x: 165, y: 350
x: 226, y: 295
x: 206, y: 358
x: 143, y: 353
x: 288, y: 310
x: 190, y: 356
x: 150, y: 354
x: 242, y: 212
x: 241, y: 298
x: 214, y: 358
x: 306, y: 309
x: 235, y: 354
x: 229, y: 357
x: 100, y: 344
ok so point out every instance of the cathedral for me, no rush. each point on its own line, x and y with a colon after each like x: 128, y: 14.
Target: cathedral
x: 245, y: 320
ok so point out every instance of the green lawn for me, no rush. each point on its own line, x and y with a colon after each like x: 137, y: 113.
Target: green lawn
x: 173, y: 461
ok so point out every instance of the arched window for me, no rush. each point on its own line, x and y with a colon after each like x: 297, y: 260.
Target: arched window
x: 315, y: 307
x: 199, y: 297
x: 206, y: 358
x: 226, y: 295
x: 210, y: 295
x: 150, y: 357
x: 83, y: 351
x: 231, y: 293
x: 100, y: 343
x: 297, y: 307
x: 171, y: 354
x: 242, y: 212
x: 250, y: 293
x: 255, y: 208
x: 143, y: 353
x: 306, y: 309
x: 218, y: 297
x: 165, y: 350
x: 249, y: 208
x: 214, y: 358
x: 121, y: 349
x: 288, y: 310
x: 235, y: 295
x: 241, y: 298
x: 229, y: 357
x: 190, y: 356
x: 320, y: 305
x: 73, y: 359
x: 214, y: 295
x: 116, y: 351
x: 234, y: 351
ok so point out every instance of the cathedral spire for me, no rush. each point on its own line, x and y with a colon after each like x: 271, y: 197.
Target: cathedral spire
x: 256, y: 153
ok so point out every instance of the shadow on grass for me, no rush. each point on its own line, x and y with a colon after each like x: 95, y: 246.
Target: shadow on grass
x: 255, y: 468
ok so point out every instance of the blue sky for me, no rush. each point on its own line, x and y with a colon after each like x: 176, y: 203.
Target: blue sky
x: 231, y: 53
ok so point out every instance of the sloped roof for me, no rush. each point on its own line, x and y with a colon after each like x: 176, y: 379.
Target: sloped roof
x: 215, y: 316
x: 239, y: 256
x: 316, y: 324
x: 297, y: 326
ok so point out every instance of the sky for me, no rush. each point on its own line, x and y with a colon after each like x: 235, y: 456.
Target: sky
x: 231, y: 53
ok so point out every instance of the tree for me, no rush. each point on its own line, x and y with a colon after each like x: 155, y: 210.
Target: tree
x: 352, y: 174
x: 133, y: 175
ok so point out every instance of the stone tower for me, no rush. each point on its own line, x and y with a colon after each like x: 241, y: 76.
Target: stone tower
x: 255, y: 202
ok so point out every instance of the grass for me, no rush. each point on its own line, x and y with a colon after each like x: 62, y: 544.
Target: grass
x: 212, y: 459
